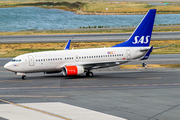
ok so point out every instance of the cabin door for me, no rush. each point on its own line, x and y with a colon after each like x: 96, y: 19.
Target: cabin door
x: 31, y: 60
x: 128, y: 54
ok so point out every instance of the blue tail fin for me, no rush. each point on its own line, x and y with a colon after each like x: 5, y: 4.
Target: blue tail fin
x: 142, y: 35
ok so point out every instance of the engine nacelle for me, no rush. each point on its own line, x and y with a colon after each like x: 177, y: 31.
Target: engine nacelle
x: 72, y: 70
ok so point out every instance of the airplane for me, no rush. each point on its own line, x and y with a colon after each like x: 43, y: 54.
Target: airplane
x: 82, y: 61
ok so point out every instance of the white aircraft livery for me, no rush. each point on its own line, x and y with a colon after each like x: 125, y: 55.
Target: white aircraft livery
x: 80, y: 61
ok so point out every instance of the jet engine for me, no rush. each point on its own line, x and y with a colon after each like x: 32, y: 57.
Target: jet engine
x: 72, y: 70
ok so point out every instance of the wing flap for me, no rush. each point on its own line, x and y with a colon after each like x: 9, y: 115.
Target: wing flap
x: 95, y: 65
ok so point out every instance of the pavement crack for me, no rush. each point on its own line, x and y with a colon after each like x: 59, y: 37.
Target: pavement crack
x: 164, y: 111
x: 121, y: 109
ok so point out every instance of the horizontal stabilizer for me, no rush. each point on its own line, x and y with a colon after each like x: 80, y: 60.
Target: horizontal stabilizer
x: 163, y: 47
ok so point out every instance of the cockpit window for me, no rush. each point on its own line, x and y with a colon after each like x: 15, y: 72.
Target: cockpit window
x: 16, y: 60
x: 13, y: 60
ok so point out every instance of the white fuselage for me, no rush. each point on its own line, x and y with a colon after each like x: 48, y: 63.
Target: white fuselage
x: 54, y: 61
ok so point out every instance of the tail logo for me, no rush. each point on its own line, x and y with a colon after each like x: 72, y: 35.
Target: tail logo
x: 141, y: 40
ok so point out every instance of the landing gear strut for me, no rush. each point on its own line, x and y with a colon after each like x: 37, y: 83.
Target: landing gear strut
x: 89, y: 74
x: 24, y: 77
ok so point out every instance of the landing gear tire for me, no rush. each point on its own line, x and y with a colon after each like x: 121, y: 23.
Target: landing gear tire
x: 89, y: 74
x: 24, y: 77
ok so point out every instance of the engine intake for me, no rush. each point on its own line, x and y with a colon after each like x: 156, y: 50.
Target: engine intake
x: 72, y: 70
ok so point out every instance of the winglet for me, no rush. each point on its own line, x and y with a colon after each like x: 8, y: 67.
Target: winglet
x: 67, y: 45
x: 147, y: 54
x: 142, y: 35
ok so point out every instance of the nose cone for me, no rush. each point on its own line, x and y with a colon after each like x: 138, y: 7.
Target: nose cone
x: 8, y: 66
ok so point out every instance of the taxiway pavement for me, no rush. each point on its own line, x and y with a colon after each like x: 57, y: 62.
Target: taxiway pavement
x: 142, y: 94
x: 84, y: 37
x: 146, y: 94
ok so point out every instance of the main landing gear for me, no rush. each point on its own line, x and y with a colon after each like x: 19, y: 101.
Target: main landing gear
x: 24, y: 77
x: 89, y: 74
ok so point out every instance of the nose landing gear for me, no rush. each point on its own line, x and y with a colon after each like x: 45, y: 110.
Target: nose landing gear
x: 22, y: 74
x: 24, y: 77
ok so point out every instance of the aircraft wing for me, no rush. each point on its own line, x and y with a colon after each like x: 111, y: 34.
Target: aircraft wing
x: 103, y: 64
x: 96, y: 65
